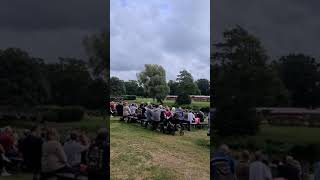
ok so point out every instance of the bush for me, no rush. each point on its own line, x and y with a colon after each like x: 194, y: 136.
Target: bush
x: 129, y: 97
x: 183, y: 99
x: 205, y: 109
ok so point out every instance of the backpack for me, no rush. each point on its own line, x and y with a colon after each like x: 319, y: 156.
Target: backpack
x: 221, y: 170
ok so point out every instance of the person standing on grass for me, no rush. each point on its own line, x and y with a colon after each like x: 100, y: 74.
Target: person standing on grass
x: 156, y: 113
x: 258, y: 170
x: 191, y: 117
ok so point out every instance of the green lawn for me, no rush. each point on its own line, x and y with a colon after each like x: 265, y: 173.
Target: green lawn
x: 282, y: 138
x: 139, y: 153
x: 170, y: 102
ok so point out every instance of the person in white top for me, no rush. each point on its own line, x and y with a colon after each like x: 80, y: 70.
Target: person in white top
x: 191, y: 116
x: 258, y: 170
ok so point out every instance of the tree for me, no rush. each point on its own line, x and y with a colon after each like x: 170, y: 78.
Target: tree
x: 97, y: 48
x: 173, y: 86
x: 117, y: 87
x: 21, y: 79
x: 153, y: 80
x: 300, y: 74
x: 69, y: 80
x: 186, y: 84
x: 204, y: 86
x: 242, y: 81
x: 132, y: 87
x: 97, y: 94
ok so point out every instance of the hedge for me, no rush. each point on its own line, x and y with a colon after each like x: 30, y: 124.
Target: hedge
x: 61, y: 114
x: 129, y: 97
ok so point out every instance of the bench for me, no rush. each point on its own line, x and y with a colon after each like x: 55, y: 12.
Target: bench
x: 70, y: 176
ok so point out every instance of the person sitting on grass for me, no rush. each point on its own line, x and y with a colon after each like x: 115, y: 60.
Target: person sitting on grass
x: 54, y: 159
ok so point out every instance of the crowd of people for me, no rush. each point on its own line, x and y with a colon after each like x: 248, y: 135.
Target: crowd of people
x: 154, y: 114
x: 255, y: 166
x: 41, y: 151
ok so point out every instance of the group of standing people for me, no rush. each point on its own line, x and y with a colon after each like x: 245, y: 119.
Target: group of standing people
x: 44, y: 154
x: 255, y: 166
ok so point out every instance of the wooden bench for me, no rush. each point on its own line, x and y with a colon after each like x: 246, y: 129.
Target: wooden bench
x: 70, y: 176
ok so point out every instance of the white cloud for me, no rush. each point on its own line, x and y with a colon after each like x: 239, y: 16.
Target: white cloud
x: 174, y: 34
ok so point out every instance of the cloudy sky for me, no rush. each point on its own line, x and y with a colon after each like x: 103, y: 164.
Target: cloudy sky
x: 286, y: 26
x: 49, y: 29
x: 172, y: 33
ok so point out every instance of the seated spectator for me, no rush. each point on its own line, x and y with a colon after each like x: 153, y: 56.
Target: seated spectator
x: 126, y: 110
x: 31, y: 151
x: 54, y: 159
x: 8, y: 142
x: 222, y: 165
x: 242, y: 169
x: 98, y: 156
x: 259, y: 170
x: 73, y: 149
x: 3, y: 170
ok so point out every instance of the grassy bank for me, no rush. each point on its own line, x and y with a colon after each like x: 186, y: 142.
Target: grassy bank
x: 138, y: 153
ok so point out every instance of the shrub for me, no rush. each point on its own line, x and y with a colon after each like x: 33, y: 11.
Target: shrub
x: 183, y: 99
x: 205, y: 109
x: 61, y: 114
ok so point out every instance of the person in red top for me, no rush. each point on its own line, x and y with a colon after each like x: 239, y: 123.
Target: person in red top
x: 7, y: 139
x: 168, y: 113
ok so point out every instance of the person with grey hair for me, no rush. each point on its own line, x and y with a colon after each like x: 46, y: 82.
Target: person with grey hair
x: 258, y: 170
x: 222, y: 164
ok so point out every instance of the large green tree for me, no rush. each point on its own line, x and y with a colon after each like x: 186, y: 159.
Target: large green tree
x: 117, y: 87
x: 97, y: 48
x: 21, y: 79
x: 242, y: 81
x: 153, y: 80
x: 132, y: 87
x: 300, y: 74
x: 173, y: 86
x: 204, y: 86
x: 186, y: 84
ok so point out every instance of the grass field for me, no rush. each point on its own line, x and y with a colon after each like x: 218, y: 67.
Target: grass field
x: 139, y: 153
x: 170, y: 102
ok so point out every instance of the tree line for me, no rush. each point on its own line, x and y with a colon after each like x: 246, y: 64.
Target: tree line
x: 244, y: 76
x: 151, y: 82
x: 28, y: 81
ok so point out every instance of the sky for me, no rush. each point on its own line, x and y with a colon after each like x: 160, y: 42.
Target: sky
x: 286, y: 26
x: 51, y: 29
x: 172, y: 33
